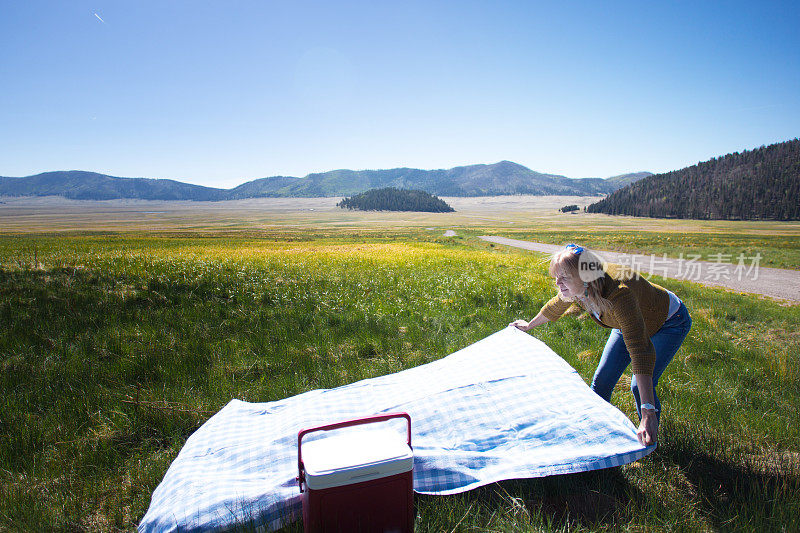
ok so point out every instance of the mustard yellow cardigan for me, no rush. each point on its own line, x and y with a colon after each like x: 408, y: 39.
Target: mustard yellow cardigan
x: 638, y: 309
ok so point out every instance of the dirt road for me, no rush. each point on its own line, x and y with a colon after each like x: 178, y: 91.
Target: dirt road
x: 745, y: 276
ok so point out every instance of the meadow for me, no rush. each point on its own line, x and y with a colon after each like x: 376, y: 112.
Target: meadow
x: 775, y: 250
x: 116, y: 346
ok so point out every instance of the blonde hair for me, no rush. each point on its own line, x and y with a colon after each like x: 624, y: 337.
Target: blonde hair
x: 566, y: 261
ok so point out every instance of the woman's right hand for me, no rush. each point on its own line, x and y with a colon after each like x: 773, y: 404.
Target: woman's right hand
x: 524, y: 325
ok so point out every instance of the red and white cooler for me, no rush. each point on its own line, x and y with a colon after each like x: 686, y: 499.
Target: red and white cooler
x: 357, y: 480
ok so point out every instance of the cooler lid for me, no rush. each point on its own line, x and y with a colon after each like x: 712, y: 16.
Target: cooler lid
x: 354, y: 456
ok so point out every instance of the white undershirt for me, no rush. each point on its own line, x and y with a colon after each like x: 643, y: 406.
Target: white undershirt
x: 674, y: 303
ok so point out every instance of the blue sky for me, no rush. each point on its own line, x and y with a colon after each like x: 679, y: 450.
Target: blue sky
x: 219, y: 93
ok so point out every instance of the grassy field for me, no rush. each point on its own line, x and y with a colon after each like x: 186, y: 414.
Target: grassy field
x: 116, y: 347
x: 777, y: 251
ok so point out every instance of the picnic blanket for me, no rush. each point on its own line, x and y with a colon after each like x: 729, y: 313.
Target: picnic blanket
x: 505, y: 407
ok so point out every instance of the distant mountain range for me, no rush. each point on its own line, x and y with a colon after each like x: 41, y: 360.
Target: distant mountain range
x: 503, y: 178
x: 627, y: 179
x: 759, y: 184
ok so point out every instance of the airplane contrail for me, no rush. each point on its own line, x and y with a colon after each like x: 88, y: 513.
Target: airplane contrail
x: 98, y: 16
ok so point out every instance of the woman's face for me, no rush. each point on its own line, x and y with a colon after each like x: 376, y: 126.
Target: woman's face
x: 569, y: 283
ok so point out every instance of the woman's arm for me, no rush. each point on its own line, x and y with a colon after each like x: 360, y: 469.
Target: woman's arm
x: 643, y: 356
x: 648, y: 427
x: 549, y: 312
x: 524, y: 325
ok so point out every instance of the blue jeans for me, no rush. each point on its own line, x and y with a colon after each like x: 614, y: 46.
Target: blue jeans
x: 616, y: 358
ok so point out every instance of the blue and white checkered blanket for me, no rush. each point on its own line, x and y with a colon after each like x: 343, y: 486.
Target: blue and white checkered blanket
x: 505, y: 407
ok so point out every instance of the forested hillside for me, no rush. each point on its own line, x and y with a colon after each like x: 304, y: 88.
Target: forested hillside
x: 763, y: 183
x: 391, y: 199
x: 80, y: 185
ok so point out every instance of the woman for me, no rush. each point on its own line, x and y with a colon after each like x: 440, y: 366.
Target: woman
x: 648, y: 324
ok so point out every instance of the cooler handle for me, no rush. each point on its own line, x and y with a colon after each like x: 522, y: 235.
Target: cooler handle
x: 338, y: 425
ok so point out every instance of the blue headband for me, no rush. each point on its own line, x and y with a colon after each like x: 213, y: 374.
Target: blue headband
x: 575, y: 249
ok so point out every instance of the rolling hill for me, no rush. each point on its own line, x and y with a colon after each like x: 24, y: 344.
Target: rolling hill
x: 80, y: 185
x: 391, y: 199
x: 763, y: 183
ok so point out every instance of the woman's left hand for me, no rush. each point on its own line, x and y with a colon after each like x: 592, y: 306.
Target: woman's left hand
x: 648, y: 428
x: 520, y: 324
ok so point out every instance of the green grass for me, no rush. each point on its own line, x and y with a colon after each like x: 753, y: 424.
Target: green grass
x: 114, y: 349
x: 777, y: 251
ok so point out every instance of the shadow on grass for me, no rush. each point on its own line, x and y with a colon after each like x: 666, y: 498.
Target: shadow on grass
x: 600, y: 497
x: 590, y: 499
x: 737, y: 489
